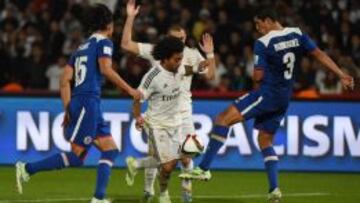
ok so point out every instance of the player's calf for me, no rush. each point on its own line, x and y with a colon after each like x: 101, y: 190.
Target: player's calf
x: 103, y: 173
x: 164, y: 177
x: 186, y: 184
x: 270, y: 158
x: 219, y: 134
x: 55, y: 162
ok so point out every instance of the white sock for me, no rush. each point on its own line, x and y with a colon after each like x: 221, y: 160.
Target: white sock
x: 146, y: 162
x: 149, y: 179
x: 186, y: 185
x: 165, y: 193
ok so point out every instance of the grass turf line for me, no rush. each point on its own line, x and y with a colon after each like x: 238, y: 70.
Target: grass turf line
x: 77, y: 185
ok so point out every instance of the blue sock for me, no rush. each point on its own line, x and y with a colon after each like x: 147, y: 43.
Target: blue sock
x: 217, y: 139
x: 55, y: 162
x: 271, y: 166
x: 103, y: 172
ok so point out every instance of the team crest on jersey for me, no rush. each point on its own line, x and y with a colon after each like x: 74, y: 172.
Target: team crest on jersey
x: 107, y: 50
x: 87, y: 140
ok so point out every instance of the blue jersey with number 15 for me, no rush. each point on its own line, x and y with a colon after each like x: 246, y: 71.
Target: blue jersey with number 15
x: 278, y: 53
x: 88, y: 78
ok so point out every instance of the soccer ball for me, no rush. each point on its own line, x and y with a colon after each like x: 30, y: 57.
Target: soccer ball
x: 192, y: 146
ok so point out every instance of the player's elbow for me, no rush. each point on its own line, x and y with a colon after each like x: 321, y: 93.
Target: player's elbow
x: 318, y: 54
x: 130, y: 46
x: 105, y: 71
x: 210, y: 76
x: 64, y: 81
x: 124, y: 44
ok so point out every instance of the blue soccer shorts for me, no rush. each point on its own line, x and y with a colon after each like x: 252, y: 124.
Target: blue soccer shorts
x: 266, y: 111
x: 86, y: 121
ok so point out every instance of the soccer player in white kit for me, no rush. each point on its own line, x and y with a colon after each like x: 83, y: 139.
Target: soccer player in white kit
x: 161, y: 88
x: 192, y: 63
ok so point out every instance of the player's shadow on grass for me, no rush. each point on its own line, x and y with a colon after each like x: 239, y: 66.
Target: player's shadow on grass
x: 125, y: 199
x: 218, y: 201
x: 132, y: 199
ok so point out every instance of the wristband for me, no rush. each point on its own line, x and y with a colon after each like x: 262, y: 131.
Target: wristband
x: 210, y: 55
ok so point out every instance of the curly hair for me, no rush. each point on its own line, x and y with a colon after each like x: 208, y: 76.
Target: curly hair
x: 167, y: 47
x: 267, y: 13
x: 98, y: 17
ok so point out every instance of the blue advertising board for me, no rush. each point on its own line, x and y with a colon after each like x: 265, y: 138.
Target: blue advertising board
x: 314, y: 136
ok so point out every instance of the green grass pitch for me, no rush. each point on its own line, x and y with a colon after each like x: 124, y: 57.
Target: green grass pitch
x: 76, y: 185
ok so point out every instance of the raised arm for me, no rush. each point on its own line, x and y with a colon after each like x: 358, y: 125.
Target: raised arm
x: 207, y: 46
x: 65, y: 85
x: 346, y: 80
x: 137, y: 114
x: 126, y: 41
x: 106, y: 69
x: 65, y: 91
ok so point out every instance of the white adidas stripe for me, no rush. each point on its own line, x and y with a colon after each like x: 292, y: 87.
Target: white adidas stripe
x: 271, y: 158
x: 78, y: 123
x: 251, y: 106
x: 65, y: 159
x: 104, y: 161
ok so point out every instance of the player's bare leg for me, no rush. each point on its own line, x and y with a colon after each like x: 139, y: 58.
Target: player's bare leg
x: 265, y: 141
x: 109, y: 152
x: 164, y: 178
x: 55, y: 162
x: 217, y: 138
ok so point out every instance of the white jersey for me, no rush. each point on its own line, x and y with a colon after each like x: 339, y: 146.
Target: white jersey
x: 189, y: 65
x: 161, y: 88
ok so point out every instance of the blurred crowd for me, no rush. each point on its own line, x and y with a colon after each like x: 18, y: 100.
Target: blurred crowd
x: 36, y: 38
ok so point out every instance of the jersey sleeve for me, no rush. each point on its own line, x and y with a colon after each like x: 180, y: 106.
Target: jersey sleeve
x: 71, y: 61
x: 145, y: 50
x: 147, y: 85
x: 307, y: 43
x: 105, y: 48
x: 259, y: 55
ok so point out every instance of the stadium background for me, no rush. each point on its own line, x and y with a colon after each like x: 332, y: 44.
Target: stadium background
x: 37, y: 36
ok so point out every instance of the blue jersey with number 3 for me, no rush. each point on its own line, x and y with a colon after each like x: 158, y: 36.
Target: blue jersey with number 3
x: 87, y: 75
x: 278, y: 53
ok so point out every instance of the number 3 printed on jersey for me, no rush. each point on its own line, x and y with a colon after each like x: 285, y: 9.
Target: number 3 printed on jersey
x: 80, y: 70
x: 289, y: 61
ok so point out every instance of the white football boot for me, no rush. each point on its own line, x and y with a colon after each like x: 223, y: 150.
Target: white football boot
x: 275, y: 196
x: 131, y: 170
x: 196, y: 174
x: 21, y: 176
x: 94, y: 200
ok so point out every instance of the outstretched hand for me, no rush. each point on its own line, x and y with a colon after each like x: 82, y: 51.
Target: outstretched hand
x: 347, y: 81
x: 136, y: 94
x: 131, y: 8
x: 207, y: 44
x: 139, y: 124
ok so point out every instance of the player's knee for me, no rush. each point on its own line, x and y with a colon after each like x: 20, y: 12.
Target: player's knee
x: 185, y: 161
x: 265, y: 140
x: 167, y: 168
x: 73, y: 160
x: 228, y: 117
x: 221, y: 119
x: 109, y: 156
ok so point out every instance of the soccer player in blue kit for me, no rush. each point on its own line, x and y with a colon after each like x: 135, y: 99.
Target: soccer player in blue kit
x: 277, y: 53
x: 83, y: 121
